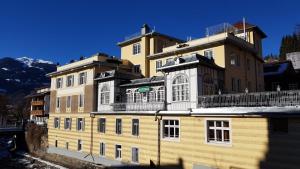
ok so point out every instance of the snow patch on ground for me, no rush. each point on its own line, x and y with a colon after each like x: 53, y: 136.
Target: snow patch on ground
x: 4, y: 68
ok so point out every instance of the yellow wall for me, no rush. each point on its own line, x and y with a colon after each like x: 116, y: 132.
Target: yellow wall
x: 252, y: 146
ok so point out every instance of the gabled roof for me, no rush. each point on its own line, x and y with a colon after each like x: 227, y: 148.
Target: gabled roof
x: 190, y: 60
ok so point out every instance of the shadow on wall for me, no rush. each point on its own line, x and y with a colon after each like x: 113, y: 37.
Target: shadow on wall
x: 179, y: 165
x: 284, y: 144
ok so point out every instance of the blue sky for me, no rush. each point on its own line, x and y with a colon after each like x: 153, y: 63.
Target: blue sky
x: 61, y: 30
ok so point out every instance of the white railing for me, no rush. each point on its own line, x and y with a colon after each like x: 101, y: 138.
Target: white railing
x: 149, y: 106
x: 221, y: 28
x: 257, y: 99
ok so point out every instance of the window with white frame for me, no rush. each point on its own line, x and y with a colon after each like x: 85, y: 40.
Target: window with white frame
x: 130, y: 96
x: 80, y: 124
x: 170, y: 129
x: 160, y: 96
x: 209, y: 53
x: 118, y: 152
x: 80, y: 100
x: 169, y: 60
x: 218, y: 131
x: 152, y: 96
x: 180, y: 88
x: 101, y: 125
x: 59, y: 83
x: 79, y: 145
x: 104, y: 95
x: 102, y: 149
x: 137, y: 96
x: 70, y: 80
x: 56, y: 122
x: 135, y: 127
x: 67, y: 123
x: 69, y: 101
x: 136, y: 48
x: 234, y: 60
x: 158, y: 64
x: 58, y: 103
x: 118, y: 126
x: 82, y: 78
x: 135, y: 155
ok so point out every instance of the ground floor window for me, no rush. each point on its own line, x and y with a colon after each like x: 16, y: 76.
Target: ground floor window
x: 218, y: 131
x: 102, y: 149
x: 170, y: 129
x: 55, y: 143
x: 118, y: 153
x: 135, y: 155
x: 79, y: 145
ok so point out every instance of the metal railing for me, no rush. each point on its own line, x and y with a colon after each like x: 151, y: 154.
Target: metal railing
x: 149, y: 106
x: 132, y: 36
x: 221, y: 28
x: 257, y: 99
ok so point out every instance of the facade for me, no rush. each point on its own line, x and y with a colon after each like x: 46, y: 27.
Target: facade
x: 179, y: 113
x: 40, y: 105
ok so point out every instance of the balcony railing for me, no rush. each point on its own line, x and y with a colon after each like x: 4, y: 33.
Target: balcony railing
x: 149, y: 106
x: 258, y: 99
x: 37, y: 103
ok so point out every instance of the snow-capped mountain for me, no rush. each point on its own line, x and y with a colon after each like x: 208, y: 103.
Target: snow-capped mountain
x: 23, y: 74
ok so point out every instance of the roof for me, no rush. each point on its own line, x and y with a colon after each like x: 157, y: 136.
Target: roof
x: 143, y: 81
x: 189, y: 60
x: 240, y: 25
x: 115, y: 74
x: 278, y: 68
x: 153, y: 33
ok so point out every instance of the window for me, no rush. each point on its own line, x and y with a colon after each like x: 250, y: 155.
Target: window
x: 57, y: 103
x: 56, y: 143
x: 171, y: 129
x: 82, y: 78
x: 80, y: 124
x: 118, y: 152
x: 79, y: 145
x: 160, y: 94
x: 80, y: 100
x: 69, y: 101
x: 208, y: 54
x: 158, y: 64
x: 233, y: 85
x: 218, y: 131
x: 279, y: 125
x: 130, y: 96
x: 70, y: 80
x: 68, y: 123
x: 137, y: 68
x: 67, y: 145
x: 135, y: 127
x: 101, y: 125
x: 118, y: 126
x: 136, y: 49
x: 102, y: 149
x: 135, y: 155
x: 104, y: 95
x: 239, y: 85
x: 235, y: 60
x: 180, y: 89
x: 59, y: 83
x: 56, y: 122
x: 137, y: 96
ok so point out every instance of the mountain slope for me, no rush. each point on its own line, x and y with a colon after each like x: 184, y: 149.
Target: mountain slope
x: 22, y: 75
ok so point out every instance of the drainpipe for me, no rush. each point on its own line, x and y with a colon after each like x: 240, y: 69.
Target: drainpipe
x: 91, y: 143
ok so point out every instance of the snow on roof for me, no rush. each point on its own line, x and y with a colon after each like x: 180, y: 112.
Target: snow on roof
x: 275, y: 69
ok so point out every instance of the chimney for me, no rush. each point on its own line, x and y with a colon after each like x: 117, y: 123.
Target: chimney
x: 145, y: 29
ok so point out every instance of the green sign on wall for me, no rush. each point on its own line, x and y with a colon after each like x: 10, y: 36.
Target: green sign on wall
x: 144, y: 89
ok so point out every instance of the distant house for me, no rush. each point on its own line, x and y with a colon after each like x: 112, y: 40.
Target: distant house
x: 294, y: 57
x: 280, y: 75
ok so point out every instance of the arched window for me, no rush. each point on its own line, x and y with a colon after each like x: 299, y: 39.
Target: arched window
x: 180, y: 88
x: 152, y: 96
x: 160, y: 94
x: 104, y: 95
x: 137, y: 96
x: 129, y: 96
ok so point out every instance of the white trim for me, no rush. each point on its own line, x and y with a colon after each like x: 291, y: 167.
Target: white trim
x: 101, y: 141
x: 115, y: 148
x: 162, y: 127
x: 229, y: 144
x: 138, y: 159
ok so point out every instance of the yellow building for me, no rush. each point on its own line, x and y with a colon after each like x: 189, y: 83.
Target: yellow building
x: 178, y: 115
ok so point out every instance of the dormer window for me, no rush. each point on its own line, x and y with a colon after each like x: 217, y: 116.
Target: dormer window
x: 136, y: 48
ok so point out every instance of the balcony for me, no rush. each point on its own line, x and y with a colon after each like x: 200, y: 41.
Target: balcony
x: 37, y: 103
x: 148, y: 106
x: 258, y: 99
x: 37, y: 112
